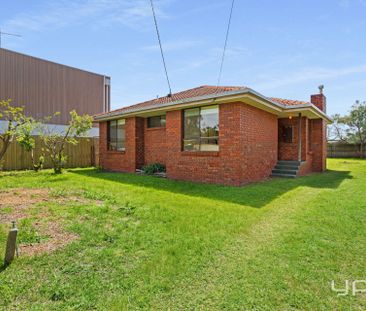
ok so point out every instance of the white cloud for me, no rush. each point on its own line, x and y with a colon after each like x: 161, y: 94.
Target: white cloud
x: 58, y: 14
x: 309, y: 74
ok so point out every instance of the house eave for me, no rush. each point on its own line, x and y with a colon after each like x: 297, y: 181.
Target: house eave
x: 310, y: 108
x: 222, y: 98
x: 132, y: 112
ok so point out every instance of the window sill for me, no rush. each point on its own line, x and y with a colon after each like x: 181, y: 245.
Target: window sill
x: 201, y: 153
x: 155, y: 128
x: 116, y: 151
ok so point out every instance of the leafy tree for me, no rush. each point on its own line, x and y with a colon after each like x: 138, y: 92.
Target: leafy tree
x: 351, y: 128
x: 337, y: 130
x: 56, y: 141
x: 26, y: 139
x: 14, y: 119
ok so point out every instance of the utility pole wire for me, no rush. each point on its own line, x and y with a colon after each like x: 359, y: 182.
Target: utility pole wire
x: 226, y: 38
x: 161, y: 48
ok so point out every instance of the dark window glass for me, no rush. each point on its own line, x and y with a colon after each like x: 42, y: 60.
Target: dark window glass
x: 287, y: 134
x: 116, y: 135
x: 158, y: 121
x: 201, y: 129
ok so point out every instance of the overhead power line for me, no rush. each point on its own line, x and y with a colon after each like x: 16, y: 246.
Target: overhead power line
x: 7, y: 34
x: 226, y: 38
x: 161, y: 48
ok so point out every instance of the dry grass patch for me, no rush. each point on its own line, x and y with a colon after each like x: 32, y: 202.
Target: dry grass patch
x: 14, y: 202
x: 54, y: 237
x: 45, y: 234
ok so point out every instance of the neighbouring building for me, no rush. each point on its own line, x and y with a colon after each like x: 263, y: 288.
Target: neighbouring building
x: 44, y: 87
x: 223, y: 135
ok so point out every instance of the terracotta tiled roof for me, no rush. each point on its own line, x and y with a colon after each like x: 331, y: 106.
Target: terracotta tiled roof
x: 288, y: 102
x: 204, y: 90
x: 195, y: 92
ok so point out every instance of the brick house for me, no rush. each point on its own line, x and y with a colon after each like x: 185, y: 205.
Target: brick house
x: 223, y: 135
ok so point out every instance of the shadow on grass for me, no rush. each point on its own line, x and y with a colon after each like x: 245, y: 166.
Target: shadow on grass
x: 255, y: 195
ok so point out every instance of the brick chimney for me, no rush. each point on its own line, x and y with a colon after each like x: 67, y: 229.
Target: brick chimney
x: 319, y: 100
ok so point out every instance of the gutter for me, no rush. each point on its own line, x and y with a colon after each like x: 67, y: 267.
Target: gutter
x: 312, y: 107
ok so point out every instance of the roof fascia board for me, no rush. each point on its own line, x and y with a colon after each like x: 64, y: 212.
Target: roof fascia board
x: 312, y: 108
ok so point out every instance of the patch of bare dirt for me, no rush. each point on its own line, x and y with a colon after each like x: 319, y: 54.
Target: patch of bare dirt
x: 21, y: 200
x: 57, y: 238
x: 18, y: 200
x: 23, y: 196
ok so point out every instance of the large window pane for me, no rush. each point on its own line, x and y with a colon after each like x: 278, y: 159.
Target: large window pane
x: 120, y: 135
x: 201, y: 129
x: 116, y: 135
x: 112, y: 131
x: 158, y: 121
x: 191, y: 129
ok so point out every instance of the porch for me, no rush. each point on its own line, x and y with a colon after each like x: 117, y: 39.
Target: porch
x: 299, y: 138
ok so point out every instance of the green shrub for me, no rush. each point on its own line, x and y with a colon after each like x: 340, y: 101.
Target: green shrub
x: 153, y: 168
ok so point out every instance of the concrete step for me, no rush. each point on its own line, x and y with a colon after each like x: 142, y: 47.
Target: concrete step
x: 283, y: 175
x: 284, y: 171
x: 286, y: 167
x: 282, y: 162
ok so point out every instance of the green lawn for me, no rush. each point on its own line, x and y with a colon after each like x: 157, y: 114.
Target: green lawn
x: 155, y: 244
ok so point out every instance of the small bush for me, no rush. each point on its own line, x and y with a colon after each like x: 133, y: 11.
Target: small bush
x: 153, y: 168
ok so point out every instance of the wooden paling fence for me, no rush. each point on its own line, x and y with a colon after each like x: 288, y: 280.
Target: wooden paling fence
x: 342, y: 150
x: 84, y: 154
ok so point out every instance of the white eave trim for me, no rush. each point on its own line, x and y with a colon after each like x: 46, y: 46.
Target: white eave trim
x: 312, y: 108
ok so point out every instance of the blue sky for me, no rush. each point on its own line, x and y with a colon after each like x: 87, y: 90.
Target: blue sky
x: 279, y: 48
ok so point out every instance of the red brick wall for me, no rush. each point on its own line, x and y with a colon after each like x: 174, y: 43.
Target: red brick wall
x: 318, y: 144
x: 248, y: 141
x: 320, y: 101
x: 194, y: 166
x: 132, y: 157
x: 306, y: 167
x: 139, y: 143
x: 248, y: 148
x: 155, y: 145
x: 289, y: 151
x: 314, y: 145
x: 260, y: 143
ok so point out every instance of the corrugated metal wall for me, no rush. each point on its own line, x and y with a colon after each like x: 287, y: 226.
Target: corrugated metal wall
x: 45, y: 87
